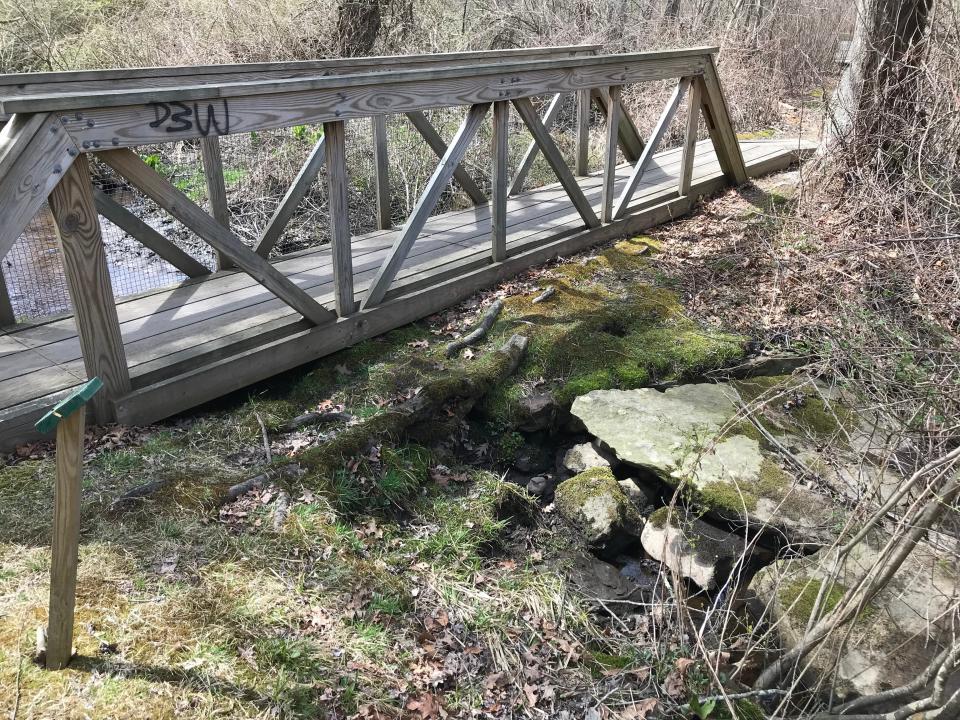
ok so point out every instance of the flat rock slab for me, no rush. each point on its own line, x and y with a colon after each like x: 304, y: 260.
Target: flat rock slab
x: 898, y: 633
x: 691, y: 435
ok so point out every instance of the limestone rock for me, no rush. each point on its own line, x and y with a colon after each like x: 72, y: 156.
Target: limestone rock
x: 907, y: 622
x: 595, y: 504
x: 585, y: 456
x: 637, y: 495
x: 537, y: 412
x: 676, y: 435
x: 538, y: 485
x: 690, y: 547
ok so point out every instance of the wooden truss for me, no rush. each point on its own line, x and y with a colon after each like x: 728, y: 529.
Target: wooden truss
x: 54, y: 120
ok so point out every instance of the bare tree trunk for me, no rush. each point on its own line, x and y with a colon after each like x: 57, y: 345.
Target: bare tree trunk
x: 878, y: 89
x: 672, y: 9
x: 358, y: 25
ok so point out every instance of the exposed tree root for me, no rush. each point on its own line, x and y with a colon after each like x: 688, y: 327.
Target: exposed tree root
x: 479, y: 333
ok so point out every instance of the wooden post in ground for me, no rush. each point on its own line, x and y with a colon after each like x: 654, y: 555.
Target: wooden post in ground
x: 68, y: 418
x: 85, y: 265
x: 216, y: 188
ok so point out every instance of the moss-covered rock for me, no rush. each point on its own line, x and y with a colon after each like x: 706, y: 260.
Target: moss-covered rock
x: 908, y: 620
x: 596, y: 505
x: 689, y: 436
x: 607, y: 326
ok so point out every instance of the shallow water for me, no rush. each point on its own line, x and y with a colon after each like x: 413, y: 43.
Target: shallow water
x: 34, y: 274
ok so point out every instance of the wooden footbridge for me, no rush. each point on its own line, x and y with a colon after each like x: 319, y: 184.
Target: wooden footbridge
x: 171, y: 349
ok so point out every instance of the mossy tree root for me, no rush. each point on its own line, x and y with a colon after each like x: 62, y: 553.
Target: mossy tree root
x: 457, y: 392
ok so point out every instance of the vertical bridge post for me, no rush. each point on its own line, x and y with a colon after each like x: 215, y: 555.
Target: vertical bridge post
x: 338, y: 205
x: 68, y: 418
x: 216, y: 188
x: 381, y: 171
x: 498, y: 181
x: 85, y: 263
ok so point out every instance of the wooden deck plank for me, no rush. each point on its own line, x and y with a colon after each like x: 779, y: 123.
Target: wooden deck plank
x: 181, y: 336
x: 216, y: 318
x: 167, y: 316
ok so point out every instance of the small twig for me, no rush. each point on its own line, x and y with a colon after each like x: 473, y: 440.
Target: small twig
x: 780, y: 447
x: 545, y: 295
x: 16, y: 684
x: 481, y: 332
x: 315, y: 418
x: 738, y: 696
x: 242, y: 488
x: 266, y: 440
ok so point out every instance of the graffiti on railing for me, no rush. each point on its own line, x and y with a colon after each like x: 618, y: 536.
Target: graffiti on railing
x: 176, y: 117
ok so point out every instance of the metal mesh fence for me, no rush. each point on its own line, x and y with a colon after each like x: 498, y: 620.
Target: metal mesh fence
x: 258, y: 169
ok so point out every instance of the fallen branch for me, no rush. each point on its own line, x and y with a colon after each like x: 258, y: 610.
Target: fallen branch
x: 315, y: 418
x: 258, y: 481
x: 545, y: 295
x: 479, y: 333
x: 140, y: 492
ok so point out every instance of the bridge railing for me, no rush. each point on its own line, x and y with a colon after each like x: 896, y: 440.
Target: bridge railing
x: 55, y: 121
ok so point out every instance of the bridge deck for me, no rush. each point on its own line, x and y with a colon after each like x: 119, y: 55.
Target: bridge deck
x: 210, y: 336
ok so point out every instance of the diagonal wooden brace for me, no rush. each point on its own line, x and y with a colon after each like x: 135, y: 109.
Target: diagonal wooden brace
x: 145, y: 179
x: 436, y: 143
x: 666, y: 117
x: 428, y: 200
x: 552, y: 154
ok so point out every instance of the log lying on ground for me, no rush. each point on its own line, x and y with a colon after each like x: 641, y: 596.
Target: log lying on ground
x: 315, y: 418
x: 545, y: 295
x: 458, y: 390
x: 479, y: 333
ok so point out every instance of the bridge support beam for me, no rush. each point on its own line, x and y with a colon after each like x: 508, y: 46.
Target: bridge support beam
x: 85, y: 263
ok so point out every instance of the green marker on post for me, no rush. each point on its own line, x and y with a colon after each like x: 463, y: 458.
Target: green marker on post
x: 68, y: 418
x: 69, y: 405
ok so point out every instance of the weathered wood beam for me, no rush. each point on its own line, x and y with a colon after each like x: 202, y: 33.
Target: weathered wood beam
x: 148, y: 236
x: 88, y: 279
x: 717, y: 116
x: 523, y: 169
x: 631, y: 143
x: 429, y: 133
x: 65, y: 539
x: 381, y: 171
x: 610, y: 155
x: 18, y: 85
x: 184, y: 113
x: 428, y: 200
x: 552, y: 155
x: 143, y: 177
x: 216, y: 188
x: 498, y: 180
x: 291, y: 200
x: 36, y: 155
x: 690, y: 139
x: 339, y: 209
x: 16, y: 135
x: 669, y: 110
x: 582, y: 162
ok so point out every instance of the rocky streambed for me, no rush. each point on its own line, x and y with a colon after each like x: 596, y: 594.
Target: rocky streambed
x: 739, y: 492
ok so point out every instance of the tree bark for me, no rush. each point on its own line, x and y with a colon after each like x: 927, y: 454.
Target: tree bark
x: 358, y: 26
x: 877, y: 94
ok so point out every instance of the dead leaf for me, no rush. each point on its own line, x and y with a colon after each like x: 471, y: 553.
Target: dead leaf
x: 640, y: 710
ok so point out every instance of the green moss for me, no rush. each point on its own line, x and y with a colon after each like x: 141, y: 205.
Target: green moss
x: 773, y: 482
x: 606, y: 327
x: 811, y: 417
x: 575, y: 493
x: 798, y: 597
